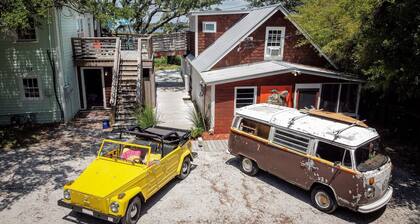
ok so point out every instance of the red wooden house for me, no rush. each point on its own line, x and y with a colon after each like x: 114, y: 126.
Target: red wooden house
x: 238, y: 57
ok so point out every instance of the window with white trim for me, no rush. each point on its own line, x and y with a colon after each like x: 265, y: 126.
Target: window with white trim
x: 245, y: 96
x: 209, y: 27
x: 274, y: 43
x: 31, y: 88
x: 27, y: 34
x: 340, y: 97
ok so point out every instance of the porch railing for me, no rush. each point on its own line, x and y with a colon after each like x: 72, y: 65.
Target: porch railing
x: 115, y: 73
x: 102, y: 48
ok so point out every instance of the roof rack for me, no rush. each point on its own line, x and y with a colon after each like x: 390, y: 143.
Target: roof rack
x: 292, y: 121
x: 338, y: 132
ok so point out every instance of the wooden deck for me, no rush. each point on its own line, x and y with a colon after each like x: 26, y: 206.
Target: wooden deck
x: 102, y: 51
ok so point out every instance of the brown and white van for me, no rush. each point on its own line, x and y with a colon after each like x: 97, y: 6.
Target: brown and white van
x: 334, y: 156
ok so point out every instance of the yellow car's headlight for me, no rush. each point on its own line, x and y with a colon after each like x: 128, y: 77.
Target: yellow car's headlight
x: 66, y: 194
x: 114, y: 207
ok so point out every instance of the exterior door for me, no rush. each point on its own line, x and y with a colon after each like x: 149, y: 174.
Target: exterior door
x: 307, y: 96
x: 93, y: 88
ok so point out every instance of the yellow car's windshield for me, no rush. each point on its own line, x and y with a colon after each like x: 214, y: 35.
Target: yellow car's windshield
x: 125, y: 151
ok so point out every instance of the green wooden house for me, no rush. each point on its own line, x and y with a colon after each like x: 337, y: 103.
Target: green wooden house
x: 27, y: 89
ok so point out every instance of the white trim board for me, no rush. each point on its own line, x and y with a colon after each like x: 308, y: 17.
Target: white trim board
x: 82, y: 75
x: 244, y: 87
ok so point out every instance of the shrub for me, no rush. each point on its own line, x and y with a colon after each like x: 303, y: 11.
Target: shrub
x: 199, y: 122
x: 196, y: 132
x: 146, y: 117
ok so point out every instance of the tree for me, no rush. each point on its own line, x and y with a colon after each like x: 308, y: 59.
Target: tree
x: 288, y: 4
x: 148, y: 16
x: 16, y: 14
x: 335, y: 26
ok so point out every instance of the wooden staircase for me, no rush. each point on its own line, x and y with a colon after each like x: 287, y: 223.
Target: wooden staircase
x: 127, y: 92
x: 126, y: 101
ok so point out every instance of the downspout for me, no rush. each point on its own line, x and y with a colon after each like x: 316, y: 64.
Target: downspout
x: 53, y: 69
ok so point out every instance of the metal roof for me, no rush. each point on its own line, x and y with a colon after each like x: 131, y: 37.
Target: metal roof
x: 232, y: 37
x: 266, y: 68
x: 311, y: 125
x: 217, y: 12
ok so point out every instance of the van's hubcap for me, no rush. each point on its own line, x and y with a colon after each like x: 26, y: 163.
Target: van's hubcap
x: 247, y: 164
x: 322, y: 199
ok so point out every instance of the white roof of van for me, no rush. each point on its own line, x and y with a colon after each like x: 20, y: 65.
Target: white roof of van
x: 311, y: 125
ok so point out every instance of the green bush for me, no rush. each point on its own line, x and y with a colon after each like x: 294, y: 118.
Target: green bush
x: 199, y: 122
x: 146, y: 117
x: 196, y: 132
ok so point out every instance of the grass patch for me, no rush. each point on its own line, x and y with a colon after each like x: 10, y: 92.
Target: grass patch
x: 165, y: 63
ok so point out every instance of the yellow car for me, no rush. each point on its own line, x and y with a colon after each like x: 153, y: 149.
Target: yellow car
x: 127, y: 172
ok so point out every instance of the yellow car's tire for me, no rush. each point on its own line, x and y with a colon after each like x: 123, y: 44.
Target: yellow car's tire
x: 132, y: 215
x: 185, y: 168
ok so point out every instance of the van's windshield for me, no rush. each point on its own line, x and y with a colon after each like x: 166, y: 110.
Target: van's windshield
x: 368, y: 157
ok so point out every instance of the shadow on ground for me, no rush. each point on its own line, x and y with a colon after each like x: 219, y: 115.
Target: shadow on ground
x: 406, y: 191
x: 45, y: 160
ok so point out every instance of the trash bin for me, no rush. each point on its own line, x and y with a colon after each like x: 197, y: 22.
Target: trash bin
x: 105, y: 123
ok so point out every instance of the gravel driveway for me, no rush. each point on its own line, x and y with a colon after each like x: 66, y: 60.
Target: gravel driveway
x: 215, y: 192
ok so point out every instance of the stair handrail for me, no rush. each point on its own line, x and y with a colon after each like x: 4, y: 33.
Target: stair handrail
x: 115, y: 72
x: 139, y: 85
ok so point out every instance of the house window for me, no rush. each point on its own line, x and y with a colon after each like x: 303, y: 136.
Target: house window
x: 291, y: 141
x: 255, y: 128
x: 348, y: 98
x: 31, y: 89
x: 209, y: 27
x: 329, y: 97
x: 274, y: 43
x: 245, y: 96
x: 340, y: 98
x: 27, y: 34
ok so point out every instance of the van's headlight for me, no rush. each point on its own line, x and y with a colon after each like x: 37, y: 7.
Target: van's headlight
x: 370, y: 191
x: 66, y: 194
x: 114, y: 207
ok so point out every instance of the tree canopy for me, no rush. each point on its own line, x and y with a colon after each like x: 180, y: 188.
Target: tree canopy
x: 146, y: 16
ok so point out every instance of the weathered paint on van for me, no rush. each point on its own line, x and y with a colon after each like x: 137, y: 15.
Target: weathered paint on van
x: 306, y: 170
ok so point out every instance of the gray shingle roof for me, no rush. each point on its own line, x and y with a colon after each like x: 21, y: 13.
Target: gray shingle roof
x: 225, y: 43
x: 267, y: 68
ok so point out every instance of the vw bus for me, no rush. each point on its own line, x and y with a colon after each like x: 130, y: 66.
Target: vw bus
x: 335, y: 157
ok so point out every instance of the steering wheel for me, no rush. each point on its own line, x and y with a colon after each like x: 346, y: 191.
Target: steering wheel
x: 137, y: 160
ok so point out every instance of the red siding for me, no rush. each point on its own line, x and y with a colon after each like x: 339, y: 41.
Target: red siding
x: 223, y: 23
x: 225, y: 94
x: 253, y: 51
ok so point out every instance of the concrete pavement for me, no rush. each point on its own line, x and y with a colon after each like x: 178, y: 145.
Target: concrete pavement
x: 173, y: 111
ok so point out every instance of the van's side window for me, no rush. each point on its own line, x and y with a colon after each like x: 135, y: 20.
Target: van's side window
x: 255, y: 128
x: 333, y: 154
x: 299, y: 143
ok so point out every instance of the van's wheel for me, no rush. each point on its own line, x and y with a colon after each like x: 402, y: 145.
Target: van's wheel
x: 185, y: 168
x: 248, y: 166
x: 132, y: 215
x: 323, y: 199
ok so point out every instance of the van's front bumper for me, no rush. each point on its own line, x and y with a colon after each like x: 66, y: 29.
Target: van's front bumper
x: 109, y: 218
x: 378, y: 203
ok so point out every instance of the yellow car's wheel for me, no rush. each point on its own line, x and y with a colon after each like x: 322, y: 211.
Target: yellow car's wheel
x: 132, y: 215
x: 185, y: 168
